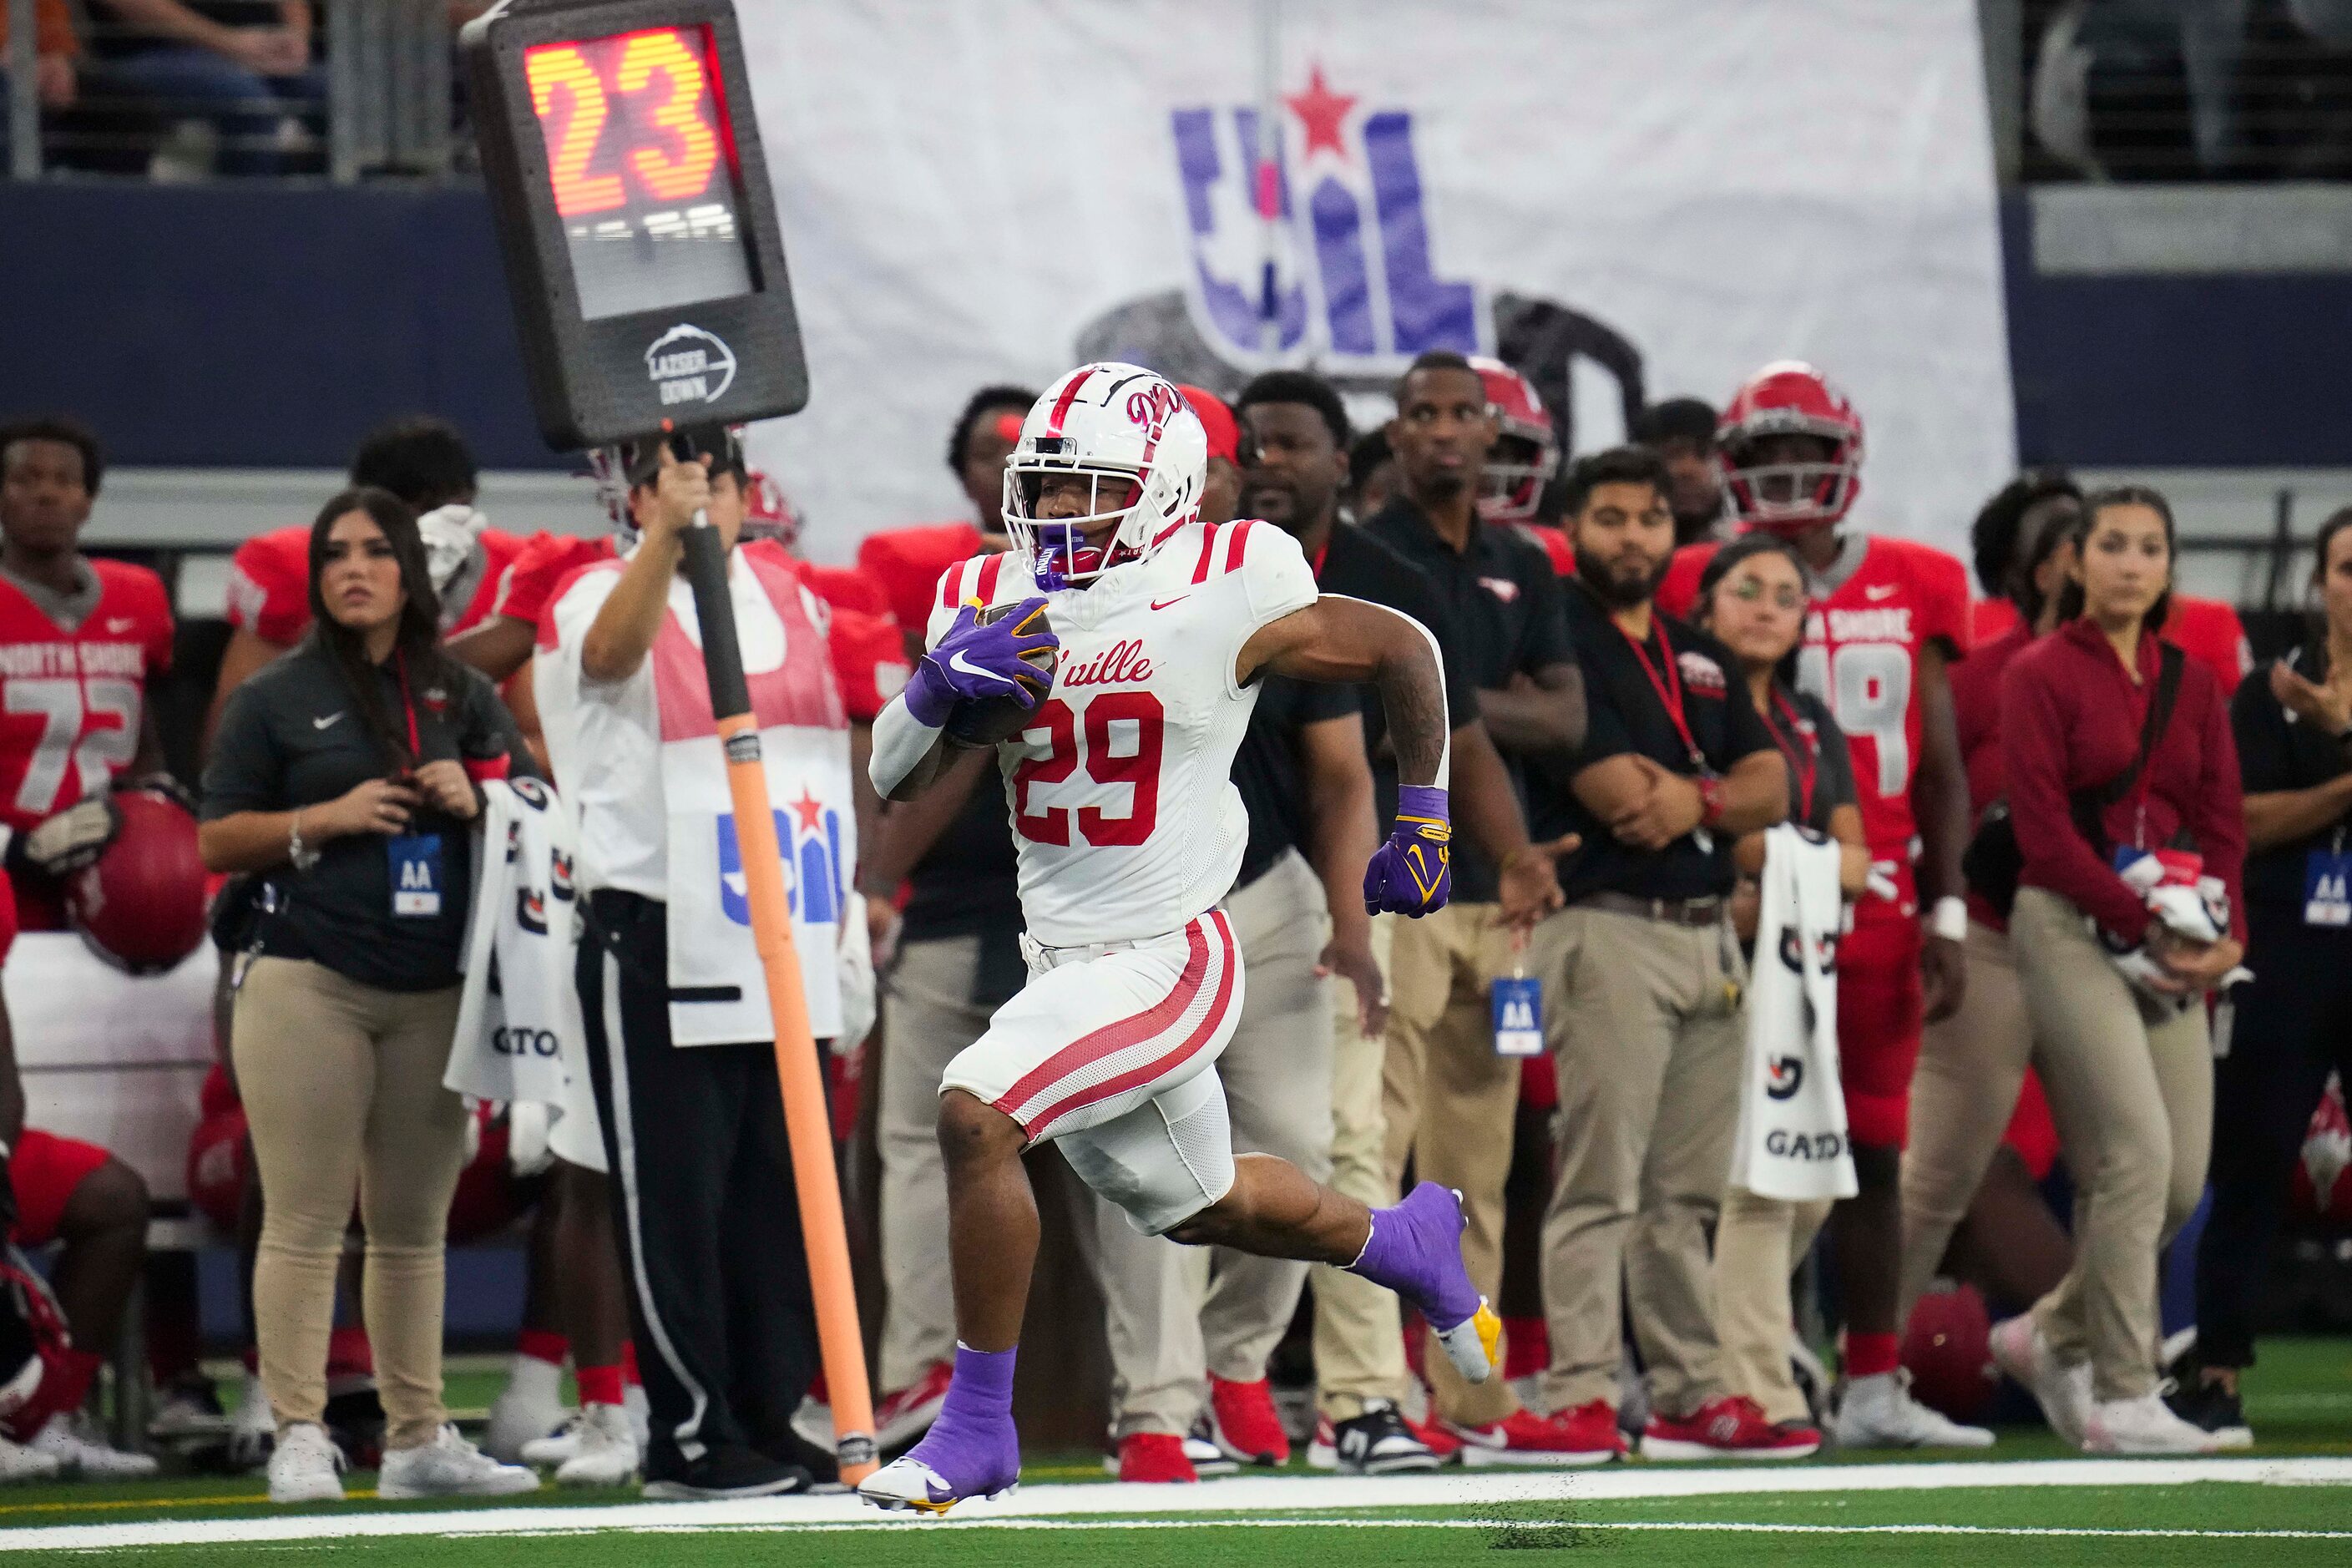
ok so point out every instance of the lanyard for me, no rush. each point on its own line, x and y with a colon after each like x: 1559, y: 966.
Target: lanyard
x: 407, y: 708
x: 1669, y: 688
x: 1808, y: 764
x: 1316, y: 565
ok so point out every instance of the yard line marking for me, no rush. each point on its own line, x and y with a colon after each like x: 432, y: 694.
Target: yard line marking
x: 1288, y: 1496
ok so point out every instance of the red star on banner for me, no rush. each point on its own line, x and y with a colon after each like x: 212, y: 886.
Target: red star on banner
x: 808, y: 809
x: 1323, y: 113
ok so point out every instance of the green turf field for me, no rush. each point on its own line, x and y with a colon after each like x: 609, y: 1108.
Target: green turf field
x: 2291, y: 1502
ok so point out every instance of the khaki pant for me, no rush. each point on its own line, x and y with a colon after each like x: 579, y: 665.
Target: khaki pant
x: 2131, y: 1088
x: 1963, y: 1094
x: 1757, y: 1243
x: 341, y: 1085
x: 1448, y: 1099
x: 1645, y: 1020
x: 1174, y: 1311
x: 930, y: 1016
x: 1359, y: 1336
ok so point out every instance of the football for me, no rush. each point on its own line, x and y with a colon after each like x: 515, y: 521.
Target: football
x: 980, y: 722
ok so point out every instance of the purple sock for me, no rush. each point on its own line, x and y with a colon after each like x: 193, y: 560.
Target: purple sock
x: 1377, y: 1262
x: 981, y: 1389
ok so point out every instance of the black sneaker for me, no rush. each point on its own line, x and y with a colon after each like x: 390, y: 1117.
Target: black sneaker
x: 1376, y: 1443
x: 729, y: 1472
x: 2209, y: 1407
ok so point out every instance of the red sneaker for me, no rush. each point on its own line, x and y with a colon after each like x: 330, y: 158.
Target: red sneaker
x: 1154, y: 1456
x: 1436, y: 1439
x: 1242, y: 1423
x: 906, y: 1414
x: 1585, y: 1435
x: 1727, y: 1427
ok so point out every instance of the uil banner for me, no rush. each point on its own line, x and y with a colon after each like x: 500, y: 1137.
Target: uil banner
x: 1628, y: 199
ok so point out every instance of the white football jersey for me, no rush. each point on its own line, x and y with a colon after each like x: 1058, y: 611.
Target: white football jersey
x: 1120, y: 788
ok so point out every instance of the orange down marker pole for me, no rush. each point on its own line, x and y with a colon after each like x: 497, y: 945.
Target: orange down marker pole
x: 805, y: 1121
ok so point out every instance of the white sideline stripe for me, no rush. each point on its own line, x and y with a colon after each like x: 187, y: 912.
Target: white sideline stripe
x: 1318, y: 1521
x: 1078, y: 1506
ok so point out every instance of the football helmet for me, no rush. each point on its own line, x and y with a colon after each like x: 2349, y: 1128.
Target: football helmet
x: 1526, y: 453
x: 1116, y: 424
x: 768, y: 512
x: 139, y: 907
x: 618, y: 469
x: 1789, y: 397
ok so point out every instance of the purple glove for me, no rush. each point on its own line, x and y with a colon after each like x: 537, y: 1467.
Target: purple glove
x: 979, y: 659
x: 1412, y: 873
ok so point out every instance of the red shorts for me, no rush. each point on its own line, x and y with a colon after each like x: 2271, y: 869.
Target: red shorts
x: 45, y: 1169
x: 1881, y: 1012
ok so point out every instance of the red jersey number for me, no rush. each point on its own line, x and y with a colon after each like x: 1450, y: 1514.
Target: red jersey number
x: 1123, y: 733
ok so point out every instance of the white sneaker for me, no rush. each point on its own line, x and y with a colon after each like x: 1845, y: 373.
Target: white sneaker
x: 606, y: 1452
x: 71, y: 1439
x: 527, y: 1407
x: 19, y: 1464
x: 304, y: 1468
x: 558, y: 1448
x: 2064, y: 1392
x: 251, y: 1428
x: 449, y: 1467
x: 640, y: 1414
x: 2143, y: 1426
x: 1878, y: 1411
x: 186, y: 1413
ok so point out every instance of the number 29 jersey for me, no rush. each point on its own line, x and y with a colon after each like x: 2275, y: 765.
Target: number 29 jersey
x: 71, y: 700
x: 1124, y: 812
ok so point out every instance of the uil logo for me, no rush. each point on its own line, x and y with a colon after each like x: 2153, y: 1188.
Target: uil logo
x: 810, y: 840
x: 1783, y: 1076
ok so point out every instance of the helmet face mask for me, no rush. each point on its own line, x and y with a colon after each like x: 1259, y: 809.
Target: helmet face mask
x: 1526, y: 453
x: 1776, y: 483
x: 1140, y: 450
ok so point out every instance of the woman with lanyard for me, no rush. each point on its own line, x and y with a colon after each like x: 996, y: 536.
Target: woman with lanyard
x: 2125, y: 799
x: 346, y: 774
x: 2292, y: 723
x: 1752, y: 599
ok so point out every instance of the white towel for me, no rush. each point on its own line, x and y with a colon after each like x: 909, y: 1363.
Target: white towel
x: 1791, y: 1137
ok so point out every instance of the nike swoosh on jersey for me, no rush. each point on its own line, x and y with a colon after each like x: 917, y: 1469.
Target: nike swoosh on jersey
x: 957, y: 661
x: 119, y: 623
x: 1163, y: 604
x: 1878, y: 590
x: 326, y: 723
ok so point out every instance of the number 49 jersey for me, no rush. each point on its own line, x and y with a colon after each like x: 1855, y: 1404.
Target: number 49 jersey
x: 1882, y: 602
x: 1124, y: 812
x: 71, y: 701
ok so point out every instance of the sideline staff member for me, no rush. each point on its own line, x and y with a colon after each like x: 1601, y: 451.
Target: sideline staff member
x: 346, y: 773
x: 675, y: 1002
x: 1642, y: 984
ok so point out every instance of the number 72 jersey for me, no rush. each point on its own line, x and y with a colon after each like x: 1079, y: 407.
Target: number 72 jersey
x: 1124, y: 812
x: 71, y: 700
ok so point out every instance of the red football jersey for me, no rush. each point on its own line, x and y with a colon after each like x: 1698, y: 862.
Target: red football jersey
x: 70, y: 701
x: 269, y: 584
x: 2206, y: 630
x: 1861, y: 655
x: 908, y: 562
x: 869, y: 655
x: 1557, y: 547
x: 527, y: 586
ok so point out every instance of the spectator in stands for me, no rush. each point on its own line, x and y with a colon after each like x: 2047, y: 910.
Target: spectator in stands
x: 243, y: 65
x: 2125, y: 799
x: 55, y: 51
x: 76, y: 1194
x: 1752, y: 599
x: 2292, y: 722
x: 1681, y: 431
x: 346, y: 774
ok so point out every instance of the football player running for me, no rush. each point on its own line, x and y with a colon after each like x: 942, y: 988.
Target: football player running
x: 1887, y: 616
x: 1129, y: 831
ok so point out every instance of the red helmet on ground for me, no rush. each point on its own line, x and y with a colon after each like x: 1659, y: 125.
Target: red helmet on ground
x: 1526, y: 453
x: 141, y: 905
x: 1789, y: 397
x: 1947, y: 1349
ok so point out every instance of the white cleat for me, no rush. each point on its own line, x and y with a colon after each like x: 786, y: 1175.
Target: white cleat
x: 306, y: 1466
x: 606, y: 1449
x: 517, y: 1416
x: 71, y: 1439
x: 449, y: 1467
x: 1878, y: 1411
x: 2064, y: 1392
x: 558, y: 1448
x: 908, y: 1483
x: 19, y: 1465
x: 2143, y: 1426
x: 1475, y: 1345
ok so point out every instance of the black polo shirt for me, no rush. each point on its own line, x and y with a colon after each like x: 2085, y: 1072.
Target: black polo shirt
x: 1359, y: 566
x: 291, y: 737
x: 967, y: 883
x: 1628, y: 716
x: 1503, y: 600
x: 2281, y: 750
x: 1266, y: 772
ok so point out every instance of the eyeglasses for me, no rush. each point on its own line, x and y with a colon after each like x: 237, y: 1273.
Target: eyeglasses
x: 1750, y: 590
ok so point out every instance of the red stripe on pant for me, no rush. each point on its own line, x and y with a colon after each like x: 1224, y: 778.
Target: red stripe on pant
x: 1040, y: 1126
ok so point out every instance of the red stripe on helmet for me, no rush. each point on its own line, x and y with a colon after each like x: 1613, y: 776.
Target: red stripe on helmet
x: 1070, y: 390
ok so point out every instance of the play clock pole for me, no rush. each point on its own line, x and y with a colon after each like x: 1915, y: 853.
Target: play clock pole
x: 633, y: 208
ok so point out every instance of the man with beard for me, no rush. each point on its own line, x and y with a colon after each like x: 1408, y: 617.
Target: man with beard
x: 1642, y: 986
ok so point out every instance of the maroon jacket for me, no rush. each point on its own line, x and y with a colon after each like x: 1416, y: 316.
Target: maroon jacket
x: 2069, y: 721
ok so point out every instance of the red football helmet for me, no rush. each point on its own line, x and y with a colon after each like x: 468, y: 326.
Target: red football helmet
x: 141, y: 905
x: 1948, y: 1350
x: 768, y: 512
x: 1789, y: 397
x: 1526, y: 453
x: 2323, y: 1177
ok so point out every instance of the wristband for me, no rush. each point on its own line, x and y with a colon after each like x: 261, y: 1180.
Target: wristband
x: 1950, y: 919
x: 1710, y: 800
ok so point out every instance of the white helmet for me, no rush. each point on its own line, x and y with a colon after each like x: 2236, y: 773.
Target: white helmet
x: 1110, y: 421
